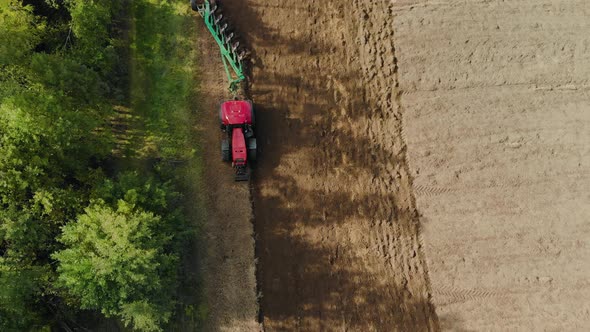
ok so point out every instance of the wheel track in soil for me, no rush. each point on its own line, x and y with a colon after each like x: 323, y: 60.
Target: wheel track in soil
x: 450, y: 295
x: 339, y: 244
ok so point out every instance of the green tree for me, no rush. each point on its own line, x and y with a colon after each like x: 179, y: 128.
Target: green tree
x: 43, y: 171
x: 114, y: 262
x: 20, y: 33
x: 92, y: 26
x: 19, y: 296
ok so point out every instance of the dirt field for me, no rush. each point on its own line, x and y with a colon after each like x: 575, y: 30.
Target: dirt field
x: 496, y: 100
x: 337, y: 232
x: 380, y: 121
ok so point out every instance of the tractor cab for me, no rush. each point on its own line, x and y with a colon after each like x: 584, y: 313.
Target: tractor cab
x: 237, y: 122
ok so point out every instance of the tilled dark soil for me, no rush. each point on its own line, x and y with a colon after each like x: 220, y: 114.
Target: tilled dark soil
x: 338, y: 239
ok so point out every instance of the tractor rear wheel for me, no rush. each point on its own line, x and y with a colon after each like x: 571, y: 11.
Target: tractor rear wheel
x: 225, y: 151
x: 252, y: 149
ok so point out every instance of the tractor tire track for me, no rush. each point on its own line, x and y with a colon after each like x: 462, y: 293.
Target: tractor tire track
x: 451, y: 295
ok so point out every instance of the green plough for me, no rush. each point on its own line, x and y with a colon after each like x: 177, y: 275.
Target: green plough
x: 231, y: 54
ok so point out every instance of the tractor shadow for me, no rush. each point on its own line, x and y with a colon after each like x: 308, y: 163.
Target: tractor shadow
x: 308, y: 108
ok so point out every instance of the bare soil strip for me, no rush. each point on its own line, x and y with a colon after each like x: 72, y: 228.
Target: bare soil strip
x: 338, y: 236
x: 496, y: 102
x: 227, y: 247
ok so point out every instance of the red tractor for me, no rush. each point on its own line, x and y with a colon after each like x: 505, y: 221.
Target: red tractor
x: 237, y: 122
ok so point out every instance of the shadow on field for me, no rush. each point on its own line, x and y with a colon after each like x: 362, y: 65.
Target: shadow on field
x: 316, y: 283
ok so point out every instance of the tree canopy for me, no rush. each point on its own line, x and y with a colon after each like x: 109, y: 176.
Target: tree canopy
x: 80, y: 229
x: 114, y: 260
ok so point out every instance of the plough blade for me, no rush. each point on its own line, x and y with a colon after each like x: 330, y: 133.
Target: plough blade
x: 218, y: 27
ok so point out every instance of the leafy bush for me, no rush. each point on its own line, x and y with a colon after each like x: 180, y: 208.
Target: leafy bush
x: 20, y: 32
x: 93, y: 30
x: 114, y: 262
x: 19, y: 305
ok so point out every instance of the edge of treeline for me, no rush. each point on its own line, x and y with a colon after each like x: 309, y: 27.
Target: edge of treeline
x: 98, y: 168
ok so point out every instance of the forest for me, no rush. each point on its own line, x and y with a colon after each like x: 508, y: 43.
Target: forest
x: 94, y: 151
